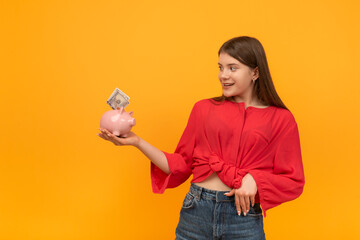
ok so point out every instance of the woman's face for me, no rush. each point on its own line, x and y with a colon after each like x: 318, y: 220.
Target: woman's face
x: 238, y: 75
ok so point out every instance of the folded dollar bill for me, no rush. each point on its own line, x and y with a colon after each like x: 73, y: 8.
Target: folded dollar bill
x: 118, y: 99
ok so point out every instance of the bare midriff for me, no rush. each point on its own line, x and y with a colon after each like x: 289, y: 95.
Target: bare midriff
x: 213, y: 182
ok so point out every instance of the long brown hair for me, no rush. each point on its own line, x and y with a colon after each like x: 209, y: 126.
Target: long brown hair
x: 249, y: 51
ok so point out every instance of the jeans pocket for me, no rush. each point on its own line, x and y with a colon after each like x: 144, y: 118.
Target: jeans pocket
x: 255, y: 211
x: 188, y: 201
x: 253, y: 214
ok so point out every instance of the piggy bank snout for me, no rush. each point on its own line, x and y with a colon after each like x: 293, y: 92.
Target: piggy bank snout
x: 132, y: 122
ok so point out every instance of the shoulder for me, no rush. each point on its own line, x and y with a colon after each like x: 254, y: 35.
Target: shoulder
x: 284, y: 117
x: 284, y: 124
x: 207, y: 102
x: 202, y: 104
x: 201, y: 107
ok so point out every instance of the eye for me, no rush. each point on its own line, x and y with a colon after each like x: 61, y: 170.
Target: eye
x: 232, y: 68
x: 220, y: 67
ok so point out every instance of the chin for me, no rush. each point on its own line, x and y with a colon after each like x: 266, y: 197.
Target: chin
x: 227, y: 94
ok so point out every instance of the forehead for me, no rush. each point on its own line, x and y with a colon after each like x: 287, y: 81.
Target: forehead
x: 226, y: 59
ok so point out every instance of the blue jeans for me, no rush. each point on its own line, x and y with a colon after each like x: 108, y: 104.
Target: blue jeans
x: 209, y: 214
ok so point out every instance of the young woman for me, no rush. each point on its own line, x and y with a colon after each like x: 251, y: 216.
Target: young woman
x: 243, y: 149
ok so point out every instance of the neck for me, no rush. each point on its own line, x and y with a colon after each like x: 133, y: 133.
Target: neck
x: 248, y: 101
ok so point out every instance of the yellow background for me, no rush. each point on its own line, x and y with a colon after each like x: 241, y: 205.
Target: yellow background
x: 60, y: 61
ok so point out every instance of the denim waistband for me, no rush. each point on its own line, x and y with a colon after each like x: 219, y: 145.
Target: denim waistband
x: 200, y: 192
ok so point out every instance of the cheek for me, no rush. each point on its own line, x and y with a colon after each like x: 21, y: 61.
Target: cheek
x: 242, y: 80
x: 240, y: 86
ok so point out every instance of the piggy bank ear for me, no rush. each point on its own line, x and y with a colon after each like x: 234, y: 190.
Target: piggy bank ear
x: 131, y: 113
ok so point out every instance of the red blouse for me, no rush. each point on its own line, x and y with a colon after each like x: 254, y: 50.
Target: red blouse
x: 232, y: 141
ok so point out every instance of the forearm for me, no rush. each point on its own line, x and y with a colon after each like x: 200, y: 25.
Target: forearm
x: 155, y: 155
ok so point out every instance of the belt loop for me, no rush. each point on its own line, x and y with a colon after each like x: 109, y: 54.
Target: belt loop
x: 198, y: 197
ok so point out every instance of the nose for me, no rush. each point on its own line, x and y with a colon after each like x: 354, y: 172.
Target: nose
x: 224, y: 74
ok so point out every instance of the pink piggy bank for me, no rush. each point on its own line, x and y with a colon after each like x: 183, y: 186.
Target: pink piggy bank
x: 118, y: 122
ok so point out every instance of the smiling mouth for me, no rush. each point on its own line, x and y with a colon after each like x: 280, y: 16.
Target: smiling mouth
x: 228, y: 84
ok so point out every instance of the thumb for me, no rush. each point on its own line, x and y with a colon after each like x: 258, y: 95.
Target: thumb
x: 229, y: 194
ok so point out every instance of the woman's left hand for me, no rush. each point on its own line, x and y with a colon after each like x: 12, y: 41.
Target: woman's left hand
x: 245, y: 195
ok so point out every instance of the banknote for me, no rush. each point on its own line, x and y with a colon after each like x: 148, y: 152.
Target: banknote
x: 118, y: 99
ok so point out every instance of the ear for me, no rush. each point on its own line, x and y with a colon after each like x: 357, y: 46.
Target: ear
x: 256, y: 72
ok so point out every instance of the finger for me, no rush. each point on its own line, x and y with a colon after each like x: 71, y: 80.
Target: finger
x: 107, y: 134
x: 114, y: 139
x: 242, y: 204
x: 247, y: 203
x: 104, y: 131
x: 231, y: 193
x: 237, y: 204
x: 101, y: 130
x: 252, y: 199
x: 101, y: 135
x: 104, y: 136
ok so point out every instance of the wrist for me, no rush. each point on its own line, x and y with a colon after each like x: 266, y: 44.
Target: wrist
x: 138, y: 142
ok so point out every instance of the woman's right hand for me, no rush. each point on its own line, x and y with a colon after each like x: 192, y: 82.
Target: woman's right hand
x: 131, y: 139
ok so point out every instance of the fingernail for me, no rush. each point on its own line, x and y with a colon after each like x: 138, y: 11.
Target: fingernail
x: 239, y: 212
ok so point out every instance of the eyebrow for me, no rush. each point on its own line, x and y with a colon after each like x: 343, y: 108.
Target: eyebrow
x: 230, y: 64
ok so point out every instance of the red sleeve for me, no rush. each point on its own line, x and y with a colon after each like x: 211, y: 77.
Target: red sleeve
x: 287, y: 180
x: 180, y: 161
